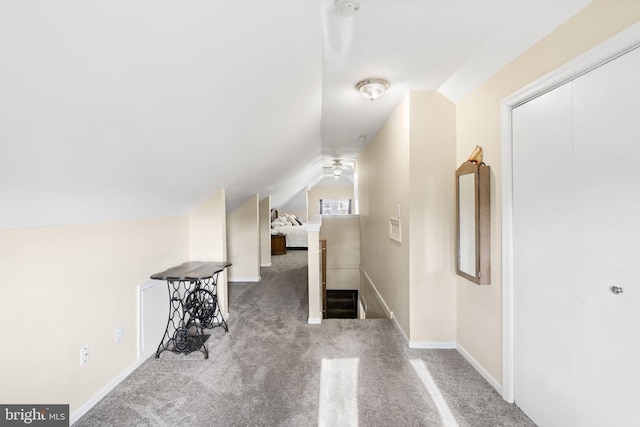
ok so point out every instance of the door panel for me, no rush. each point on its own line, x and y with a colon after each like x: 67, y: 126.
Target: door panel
x: 543, y: 283
x: 607, y: 201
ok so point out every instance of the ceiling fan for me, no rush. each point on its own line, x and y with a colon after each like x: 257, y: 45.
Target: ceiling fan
x: 337, y: 167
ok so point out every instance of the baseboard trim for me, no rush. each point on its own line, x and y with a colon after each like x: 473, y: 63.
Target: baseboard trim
x: 433, y: 344
x: 315, y: 321
x: 266, y: 265
x: 243, y: 279
x: 478, y: 367
x: 381, y: 300
x: 399, y: 328
x: 106, y: 389
x: 362, y: 312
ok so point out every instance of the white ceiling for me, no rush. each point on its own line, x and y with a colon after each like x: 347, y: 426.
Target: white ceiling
x: 120, y: 109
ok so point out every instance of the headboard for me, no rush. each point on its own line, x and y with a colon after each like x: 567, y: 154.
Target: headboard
x: 274, y: 214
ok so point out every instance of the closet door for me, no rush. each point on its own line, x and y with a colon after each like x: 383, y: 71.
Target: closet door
x: 543, y: 258
x: 607, y: 221
x: 576, y: 186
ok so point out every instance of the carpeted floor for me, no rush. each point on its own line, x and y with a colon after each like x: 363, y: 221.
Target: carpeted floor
x: 273, y: 369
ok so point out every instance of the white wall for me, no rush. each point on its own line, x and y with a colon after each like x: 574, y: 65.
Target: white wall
x: 243, y: 242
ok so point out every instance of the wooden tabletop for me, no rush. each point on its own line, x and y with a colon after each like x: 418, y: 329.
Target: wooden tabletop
x: 193, y: 270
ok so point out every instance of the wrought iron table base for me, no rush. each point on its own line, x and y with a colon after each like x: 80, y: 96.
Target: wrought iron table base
x: 193, y: 307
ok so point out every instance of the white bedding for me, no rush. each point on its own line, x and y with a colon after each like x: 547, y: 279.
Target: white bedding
x: 296, y: 236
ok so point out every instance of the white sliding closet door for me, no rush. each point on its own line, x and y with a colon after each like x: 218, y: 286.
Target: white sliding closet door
x: 576, y: 201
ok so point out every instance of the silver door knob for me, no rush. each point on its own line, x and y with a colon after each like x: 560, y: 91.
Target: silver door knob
x: 616, y: 290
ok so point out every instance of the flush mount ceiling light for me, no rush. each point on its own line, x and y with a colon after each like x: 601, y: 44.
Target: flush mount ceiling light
x: 372, y: 88
x: 337, y: 168
x: 347, y: 7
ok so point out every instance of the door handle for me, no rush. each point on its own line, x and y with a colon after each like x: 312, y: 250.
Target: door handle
x: 616, y: 290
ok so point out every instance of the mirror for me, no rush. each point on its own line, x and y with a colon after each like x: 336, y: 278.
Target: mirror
x: 467, y: 221
x: 473, y: 222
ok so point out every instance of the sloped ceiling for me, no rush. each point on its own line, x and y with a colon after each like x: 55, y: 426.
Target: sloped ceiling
x: 120, y: 109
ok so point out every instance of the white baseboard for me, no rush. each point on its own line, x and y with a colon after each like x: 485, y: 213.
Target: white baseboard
x: 244, y: 279
x: 494, y: 383
x: 266, y: 265
x: 381, y: 300
x: 315, y: 321
x: 399, y: 328
x: 106, y: 389
x: 433, y: 344
x: 362, y: 311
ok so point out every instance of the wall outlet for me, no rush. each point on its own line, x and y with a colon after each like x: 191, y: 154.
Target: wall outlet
x: 84, y: 354
x: 119, y: 333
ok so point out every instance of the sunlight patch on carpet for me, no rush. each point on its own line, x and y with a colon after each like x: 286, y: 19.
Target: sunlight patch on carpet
x: 338, y: 393
x: 448, y: 420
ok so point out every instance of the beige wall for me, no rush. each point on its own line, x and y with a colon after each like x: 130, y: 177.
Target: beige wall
x: 207, y: 230
x: 327, y: 192
x: 478, y: 122
x: 383, y: 179
x: 208, y: 239
x: 342, y: 234
x: 64, y: 287
x: 243, y: 242
x: 314, y: 263
x: 265, y: 232
x: 411, y: 163
x: 432, y: 168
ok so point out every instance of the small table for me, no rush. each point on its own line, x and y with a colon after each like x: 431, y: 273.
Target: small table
x: 193, y: 306
x: 278, y: 244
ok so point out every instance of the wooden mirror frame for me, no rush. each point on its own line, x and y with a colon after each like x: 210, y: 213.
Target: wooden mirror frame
x: 482, y: 221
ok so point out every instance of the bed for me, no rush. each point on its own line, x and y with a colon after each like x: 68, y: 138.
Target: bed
x: 291, y: 227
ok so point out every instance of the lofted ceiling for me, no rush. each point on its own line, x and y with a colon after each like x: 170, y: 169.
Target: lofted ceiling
x: 116, y: 110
